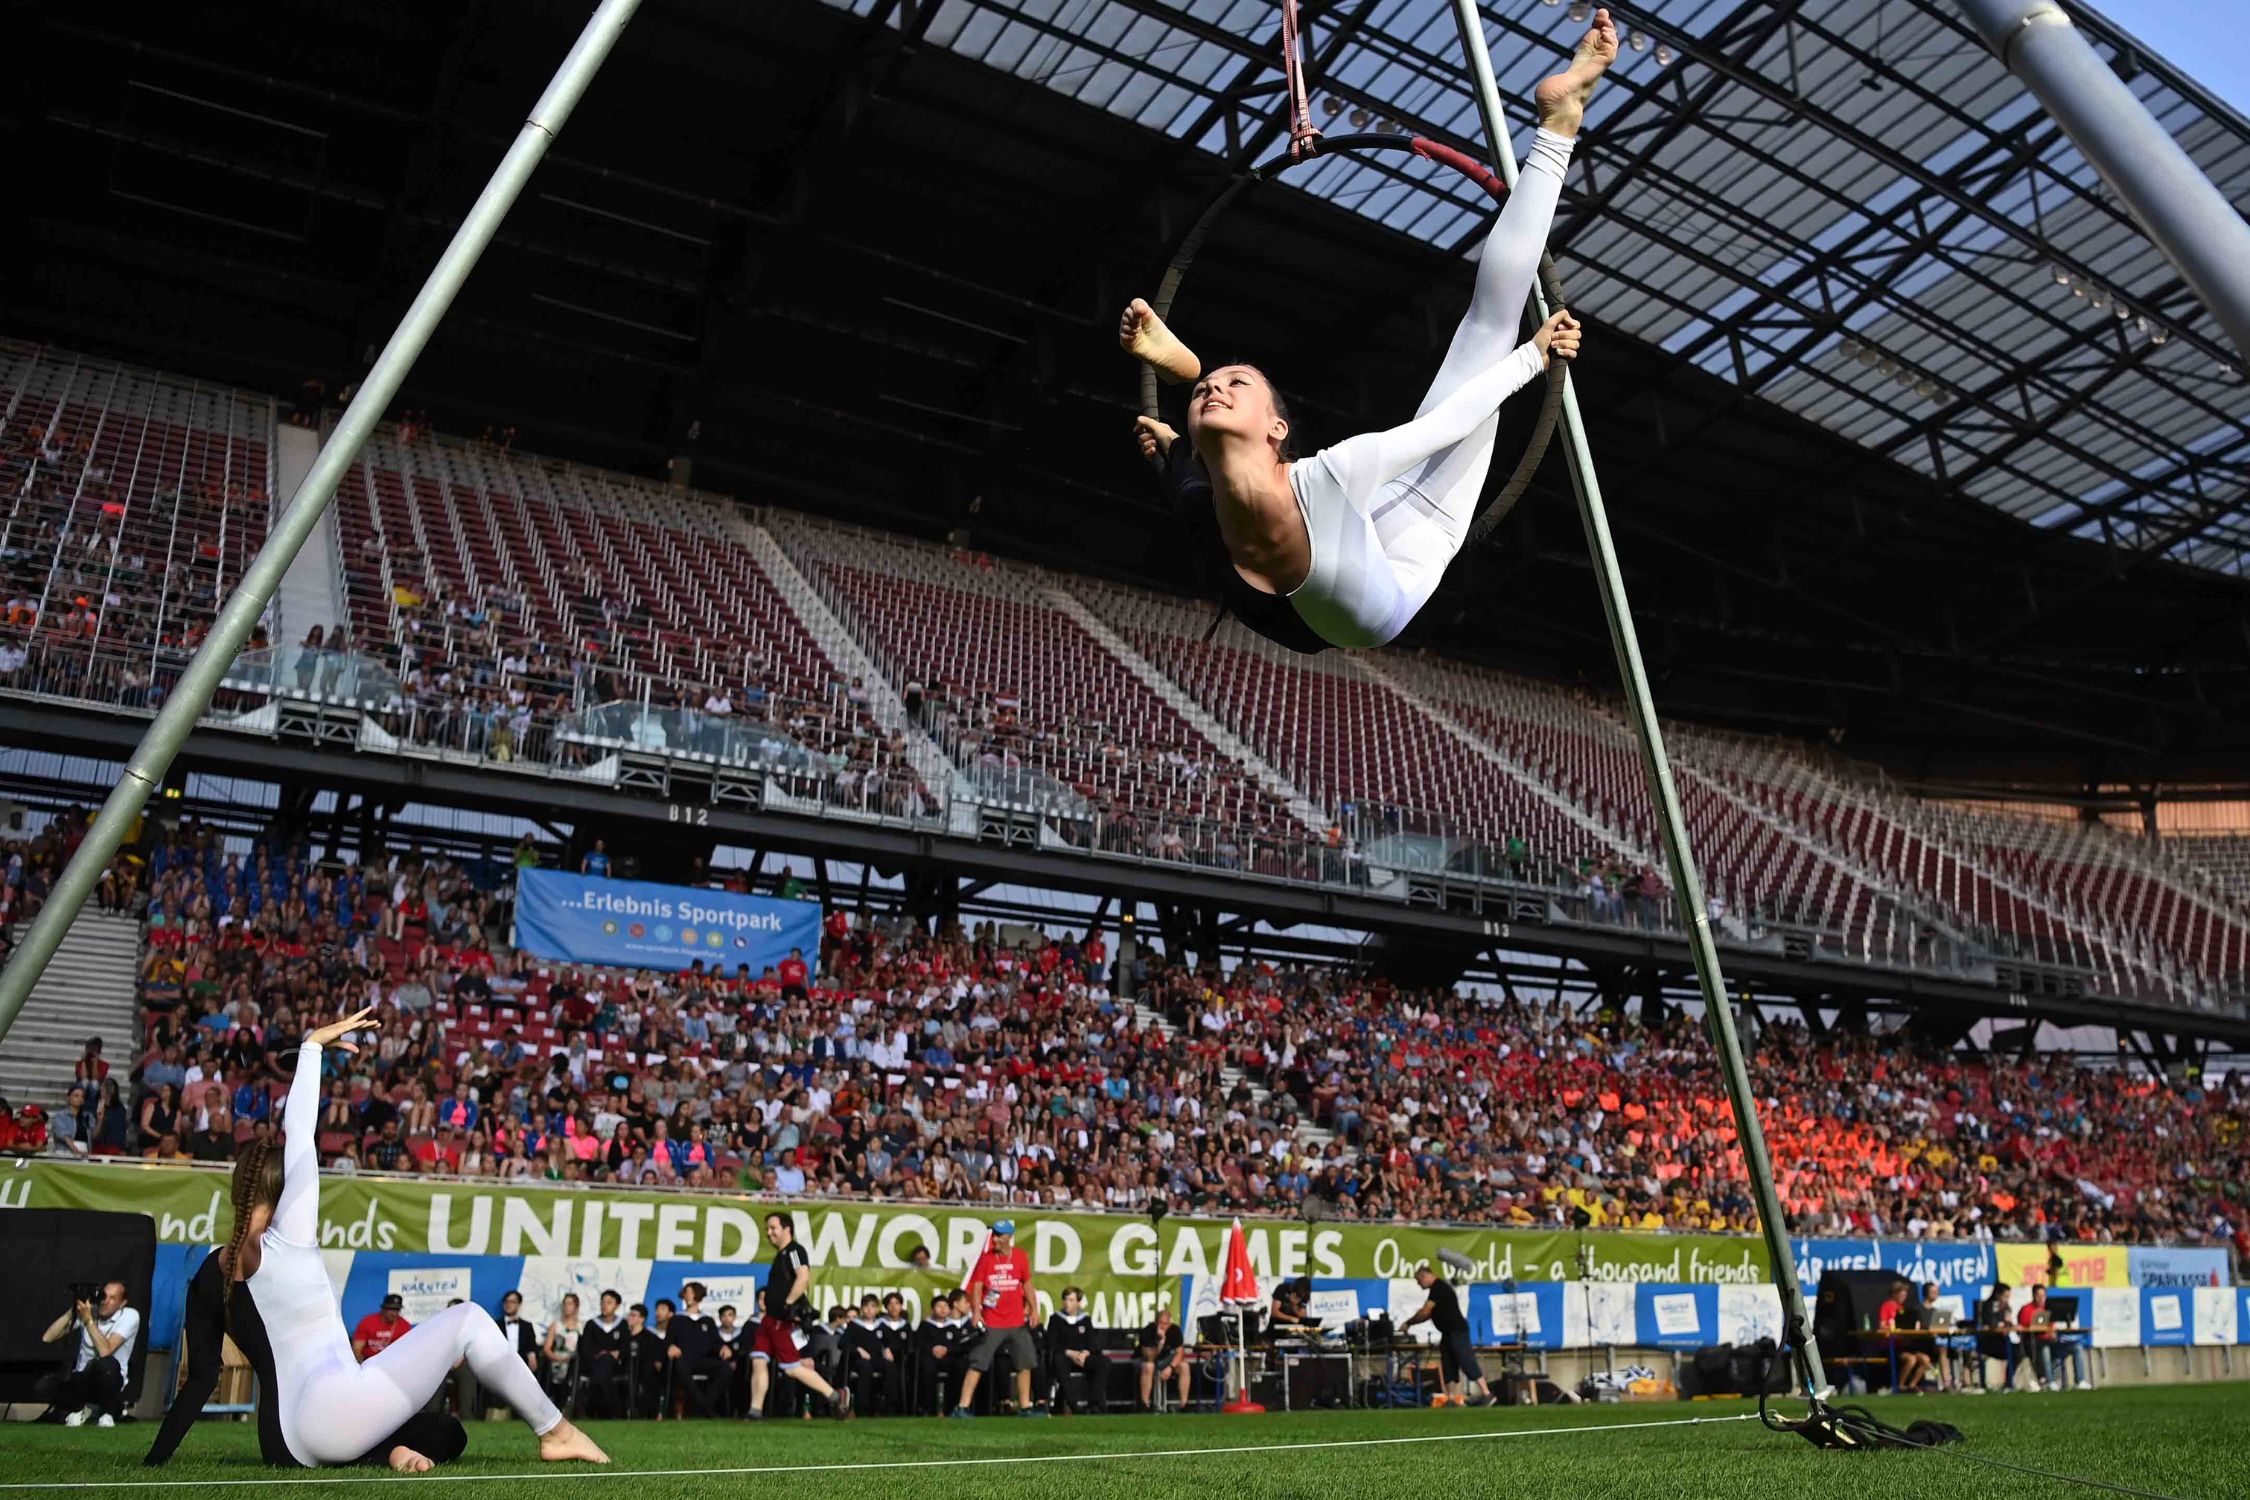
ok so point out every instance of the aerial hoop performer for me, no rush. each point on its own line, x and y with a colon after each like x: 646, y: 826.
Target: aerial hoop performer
x: 269, y: 1289
x: 1343, y: 548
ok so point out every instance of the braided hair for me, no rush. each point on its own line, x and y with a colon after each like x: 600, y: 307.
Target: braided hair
x: 257, y: 1182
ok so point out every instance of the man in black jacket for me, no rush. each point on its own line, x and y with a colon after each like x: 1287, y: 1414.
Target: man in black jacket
x: 637, y: 1383
x: 937, y: 1358
x: 1078, y: 1371
x: 898, y: 1353
x: 698, y: 1359
x: 863, y: 1354
x: 600, y: 1350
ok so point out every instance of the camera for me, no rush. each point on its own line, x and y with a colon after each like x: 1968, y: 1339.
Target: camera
x: 85, y: 1291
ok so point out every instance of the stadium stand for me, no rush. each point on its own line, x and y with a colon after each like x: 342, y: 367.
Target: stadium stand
x: 2220, y: 863
x: 511, y: 597
x: 133, y: 500
x: 1024, y: 698
x: 537, y: 589
x: 1025, y: 1081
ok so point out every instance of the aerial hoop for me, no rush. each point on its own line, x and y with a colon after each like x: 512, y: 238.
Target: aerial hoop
x: 1311, y: 146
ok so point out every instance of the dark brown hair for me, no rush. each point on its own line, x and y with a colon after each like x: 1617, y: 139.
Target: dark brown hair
x: 257, y: 1182
x: 1289, y: 450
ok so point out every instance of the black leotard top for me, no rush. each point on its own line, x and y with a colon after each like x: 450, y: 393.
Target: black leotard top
x: 209, y: 1320
x: 1271, y: 615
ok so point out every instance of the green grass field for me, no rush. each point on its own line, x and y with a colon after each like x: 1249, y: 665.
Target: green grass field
x: 2184, y: 1441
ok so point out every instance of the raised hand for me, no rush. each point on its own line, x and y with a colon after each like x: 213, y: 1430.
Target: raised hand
x: 334, y: 1032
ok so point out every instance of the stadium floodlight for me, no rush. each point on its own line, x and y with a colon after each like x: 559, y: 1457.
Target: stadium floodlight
x: 144, y: 772
x: 1656, y: 765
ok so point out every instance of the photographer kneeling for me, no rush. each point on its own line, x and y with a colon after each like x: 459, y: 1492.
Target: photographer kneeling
x: 94, y: 1386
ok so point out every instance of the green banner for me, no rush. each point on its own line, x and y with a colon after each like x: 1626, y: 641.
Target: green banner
x: 190, y: 1206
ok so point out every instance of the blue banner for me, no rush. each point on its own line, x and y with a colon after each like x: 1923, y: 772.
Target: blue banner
x: 637, y: 924
x: 2152, y: 1266
x: 1957, y: 1266
x: 1529, y: 1312
x: 1676, y: 1317
x: 2167, y: 1317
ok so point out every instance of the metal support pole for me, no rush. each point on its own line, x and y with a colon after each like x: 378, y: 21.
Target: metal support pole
x: 231, y: 631
x: 2177, y: 206
x: 1657, y: 766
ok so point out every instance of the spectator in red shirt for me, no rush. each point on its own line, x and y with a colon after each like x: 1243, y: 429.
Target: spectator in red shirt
x: 1000, y: 1299
x: 1912, y: 1361
x: 793, y: 975
x: 379, y: 1330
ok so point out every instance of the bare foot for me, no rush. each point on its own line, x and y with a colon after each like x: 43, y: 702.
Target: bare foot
x: 564, y: 1443
x: 1142, y: 334
x: 1155, y: 438
x: 1562, y: 98
x: 405, y: 1460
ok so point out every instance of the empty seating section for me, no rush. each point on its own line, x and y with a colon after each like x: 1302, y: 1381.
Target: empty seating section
x: 2216, y: 863
x: 1586, y: 756
x: 596, y: 587
x: 2082, y: 874
x: 1011, y: 684
x: 1343, y: 738
x: 129, y: 504
x: 1866, y: 836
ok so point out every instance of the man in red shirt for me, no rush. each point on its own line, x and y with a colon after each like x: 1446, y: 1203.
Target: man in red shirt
x: 793, y: 975
x: 1000, y: 1300
x: 1912, y: 1361
x: 379, y: 1330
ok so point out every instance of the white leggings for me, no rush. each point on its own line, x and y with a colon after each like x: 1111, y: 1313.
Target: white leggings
x: 341, y: 1409
x: 1387, y: 511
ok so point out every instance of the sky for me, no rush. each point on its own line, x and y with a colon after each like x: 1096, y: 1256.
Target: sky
x: 2208, y: 42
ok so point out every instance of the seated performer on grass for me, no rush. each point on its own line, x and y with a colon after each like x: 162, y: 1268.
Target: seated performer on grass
x: 268, y: 1288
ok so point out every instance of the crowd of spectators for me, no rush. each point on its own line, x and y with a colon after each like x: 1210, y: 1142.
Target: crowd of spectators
x: 901, y: 1064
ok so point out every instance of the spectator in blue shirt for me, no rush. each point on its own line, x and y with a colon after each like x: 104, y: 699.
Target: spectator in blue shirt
x: 461, y: 1111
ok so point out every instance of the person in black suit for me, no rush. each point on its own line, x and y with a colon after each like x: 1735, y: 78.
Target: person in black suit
x: 518, y: 1331
x: 636, y: 1382
x: 937, y: 1358
x: 699, y: 1360
x: 734, y: 1348
x: 863, y: 1354
x: 601, y: 1350
x: 898, y: 1354
x: 1076, y: 1367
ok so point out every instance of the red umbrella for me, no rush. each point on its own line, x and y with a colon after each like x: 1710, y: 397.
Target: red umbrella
x: 1239, y: 1288
x: 1240, y: 1283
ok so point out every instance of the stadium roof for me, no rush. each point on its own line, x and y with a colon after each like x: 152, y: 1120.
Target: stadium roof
x: 1846, y: 207
x: 849, y: 267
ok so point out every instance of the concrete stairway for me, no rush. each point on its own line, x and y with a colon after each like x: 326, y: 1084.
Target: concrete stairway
x: 87, y: 991
x: 311, y: 592
x: 933, y: 765
x: 1222, y: 739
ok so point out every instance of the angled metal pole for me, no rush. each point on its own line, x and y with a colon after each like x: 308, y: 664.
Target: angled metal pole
x: 231, y: 631
x: 2189, y: 219
x: 1657, y: 766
